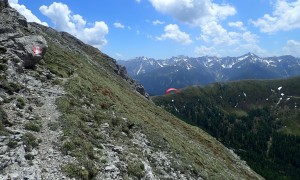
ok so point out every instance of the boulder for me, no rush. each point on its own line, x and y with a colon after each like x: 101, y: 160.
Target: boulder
x: 32, y: 49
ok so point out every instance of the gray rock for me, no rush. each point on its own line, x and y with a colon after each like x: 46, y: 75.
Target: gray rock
x: 3, y: 149
x: 34, y: 48
x: 3, y: 4
x: 117, y: 149
x: 13, y: 20
x: 105, y: 125
x: 2, y: 138
x: 111, y: 168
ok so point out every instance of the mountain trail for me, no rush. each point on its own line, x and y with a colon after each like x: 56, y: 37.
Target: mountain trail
x: 36, y: 129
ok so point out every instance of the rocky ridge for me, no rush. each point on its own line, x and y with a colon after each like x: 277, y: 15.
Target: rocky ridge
x: 28, y: 146
x: 57, y: 122
x: 181, y: 71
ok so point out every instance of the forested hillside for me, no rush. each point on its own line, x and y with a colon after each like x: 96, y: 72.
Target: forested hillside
x: 259, y: 120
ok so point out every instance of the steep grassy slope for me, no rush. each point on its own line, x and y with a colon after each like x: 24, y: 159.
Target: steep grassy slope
x: 147, y: 141
x: 260, y: 120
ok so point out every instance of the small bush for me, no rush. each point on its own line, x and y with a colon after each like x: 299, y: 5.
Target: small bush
x: 3, y: 49
x: 33, y: 126
x: 3, y: 60
x: 29, y: 157
x: 3, y: 115
x: 2, y: 127
x: 3, y: 119
x: 136, y: 169
x: 116, y: 121
x: 12, y: 144
x: 53, y: 126
x: 3, y: 67
x: 20, y: 103
x: 76, y: 171
x: 20, y: 114
x: 67, y: 147
x: 29, y: 141
x: 57, y: 82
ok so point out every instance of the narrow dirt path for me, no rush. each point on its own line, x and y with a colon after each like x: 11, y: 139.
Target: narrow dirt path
x: 45, y: 160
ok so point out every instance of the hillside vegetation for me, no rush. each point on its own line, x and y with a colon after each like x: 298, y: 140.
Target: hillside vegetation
x: 259, y: 120
x: 76, y: 114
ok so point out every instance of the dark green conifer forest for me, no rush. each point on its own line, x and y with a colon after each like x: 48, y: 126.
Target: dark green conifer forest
x: 258, y: 120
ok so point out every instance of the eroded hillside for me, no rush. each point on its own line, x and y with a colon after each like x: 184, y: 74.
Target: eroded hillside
x: 76, y: 114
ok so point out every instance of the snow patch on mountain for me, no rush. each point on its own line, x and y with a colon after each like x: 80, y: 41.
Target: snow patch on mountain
x: 220, y: 68
x: 243, y: 58
x: 138, y: 72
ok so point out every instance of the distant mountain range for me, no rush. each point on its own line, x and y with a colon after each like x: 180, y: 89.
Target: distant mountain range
x: 181, y: 71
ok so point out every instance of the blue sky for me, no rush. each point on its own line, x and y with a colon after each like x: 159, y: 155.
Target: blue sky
x: 125, y: 29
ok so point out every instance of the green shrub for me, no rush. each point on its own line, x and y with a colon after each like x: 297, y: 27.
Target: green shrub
x: 9, y: 88
x: 33, y: 126
x: 57, y: 82
x: 2, y: 127
x: 53, y: 126
x: 136, y: 169
x: 3, y: 49
x: 76, y: 171
x: 29, y: 156
x: 67, y: 147
x: 12, y: 144
x: 29, y: 141
x: 3, y: 67
x: 3, y: 115
x: 3, y: 120
x: 20, y: 103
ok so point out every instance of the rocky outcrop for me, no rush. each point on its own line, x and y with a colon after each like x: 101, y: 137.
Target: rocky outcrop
x: 3, y: 4
x: 121, y: 70
x: 15, y: 37
x: 33, y: 49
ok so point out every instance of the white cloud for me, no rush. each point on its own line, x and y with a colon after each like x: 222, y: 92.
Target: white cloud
x: 119, y: 25
x: 25, y: 12
x: 254, y: 48
x: 206, y: 15
x: 138, y: 1
x: 173, y: 32
x: 13, y: 1
x: 285, y: 17
x: 292, y: 48
x: 206, y: 51
x: 237, y: 24
x: 214, y: 33
x: 63, y: 20
x: 119, y: 55
x: 158, y: 22
x: 194, y: 12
